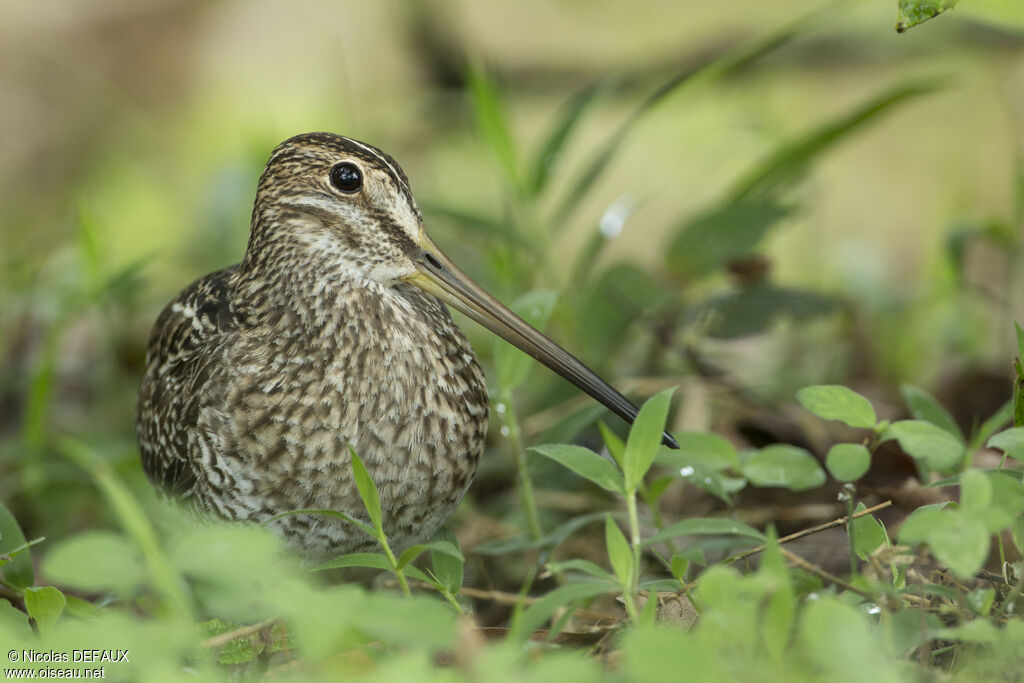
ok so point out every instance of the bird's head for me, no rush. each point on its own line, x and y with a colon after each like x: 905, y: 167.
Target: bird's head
x: 345, y: 207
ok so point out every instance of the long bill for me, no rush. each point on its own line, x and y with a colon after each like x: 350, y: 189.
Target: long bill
x: 437, y: 275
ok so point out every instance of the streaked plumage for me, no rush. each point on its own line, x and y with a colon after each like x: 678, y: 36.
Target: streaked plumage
x: 328, y: 333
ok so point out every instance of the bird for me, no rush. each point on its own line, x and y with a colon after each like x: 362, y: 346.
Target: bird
x: 331, y: 333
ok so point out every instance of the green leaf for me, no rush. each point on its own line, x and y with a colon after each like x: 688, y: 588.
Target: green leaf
x: 13, y: 623
x: 616, y: 447
x: 18, y: 572
x: 980, y: 600
x: 992, y: 424
x: 45, y: 604
x: 923, y: 406
x: 921, y: 523
x: 443, y: 547
x: 703, y: 477
x: 585, y: 566
x: 784, y: 465
x: 489, y: 112
x: 448, y: 568
x: 96, y: 561
x: 542, y: 610
x: 619, y: 554
x: 368, y: 560
x: 924, y: 441
x: 585, y: 463
x: 910, y: 13
x: 869, y: 534
x: 368, y: 492
x: 790, y: 161
x: 708, y: 241
x: 1011, y: 441
x: 568, y: 119
x: 835, y: 402
x: 705, y: 526
x: 962, y: 544
x: 645, y: 437
x: 511, y: 364
x: 975, y: 490
x: 711, y: 450
x: 848, y: 461
x: 753, y: 310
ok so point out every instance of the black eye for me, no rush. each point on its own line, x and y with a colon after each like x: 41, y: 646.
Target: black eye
x: 347, y: 177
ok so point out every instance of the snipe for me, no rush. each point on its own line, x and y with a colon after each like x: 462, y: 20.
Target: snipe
x: 330, y: 332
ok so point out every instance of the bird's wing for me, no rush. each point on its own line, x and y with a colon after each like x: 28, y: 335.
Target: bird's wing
x: 183, y: 370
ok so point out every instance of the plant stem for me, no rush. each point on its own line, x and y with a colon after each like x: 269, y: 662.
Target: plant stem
x: 399, y: 574
x: 848, y: 491
x: 515, y: 440
x: 634, y: 544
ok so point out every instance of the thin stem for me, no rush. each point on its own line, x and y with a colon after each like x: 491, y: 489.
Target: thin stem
x: 515, y: 441
x: 399, y: 574
x: 848, y: 491
x: 634, y: 544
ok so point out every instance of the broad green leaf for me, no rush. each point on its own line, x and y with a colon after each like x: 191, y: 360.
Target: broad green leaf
x: 712, y: 450
x: 705, y: 526
x: 619, y: 554
x: 18, y: 573
x: 679, y: 565
x: 924, y: 441
x: 660, y: 654
x: 790, y: 161
x: 780, y: 610
x: 448, y: 568
x: 620, y: 295
x: 368, y: 492
x: 511, y: 364
x: 923, y: 406
x: 1011, y: 441
x: 13, y: 624
x: 45, y: 604
x: 836, y: 402
x: 645, y: 437
x: 709, y: 241
x: 784, y: 465
x: 975, y: 490
x: 585, y: 463
x: 536, y: 614
x: 921, y: 523
x: 962, y: 544
x: 848, y: 461
x: 703, y: 477
x: 910, y: 13
x: 753, y: 310
x: 980, y: 600
x: 489, y: 112
x: 95, y: 561
x: 868, y: 534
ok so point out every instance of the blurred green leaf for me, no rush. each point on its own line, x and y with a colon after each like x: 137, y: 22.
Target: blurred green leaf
x: 544, y: 608
x: 848, y: 461
x: 705, y: 526
x: 18, y: 572
x: 923, y: 406
x: 645, y: 437
x: 45, y: 604
x: 448, y: 568
x: 784, y: 465
x: 753, y: 310
x: 619, y: 554
x: 489, y: 112
x: 790, y: 161
x: 368, y: 492
x: 14, y: 623
x: 835, y: 402
x: 910, y: 13
x: 924, y: 441
x: 368, y: 560
x: 980, y: 600
x: 975, y: 490
x: 585, y: 566
x: 1011, y: 441
x: 510, y: 363
x: 614, y: 302
x: 708, y: 241
x: 472, y: 225
x: 566, y: 123
x: 703, y: 476
x: 95, y: 561
x: 962, y: 544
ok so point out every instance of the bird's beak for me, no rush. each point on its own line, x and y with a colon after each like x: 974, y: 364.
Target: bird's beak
x: 437, y: 275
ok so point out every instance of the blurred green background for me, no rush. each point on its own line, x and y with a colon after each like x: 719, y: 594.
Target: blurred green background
x: 134, y: 134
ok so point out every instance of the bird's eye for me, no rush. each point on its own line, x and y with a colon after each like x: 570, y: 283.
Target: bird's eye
x: 347, y: 177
